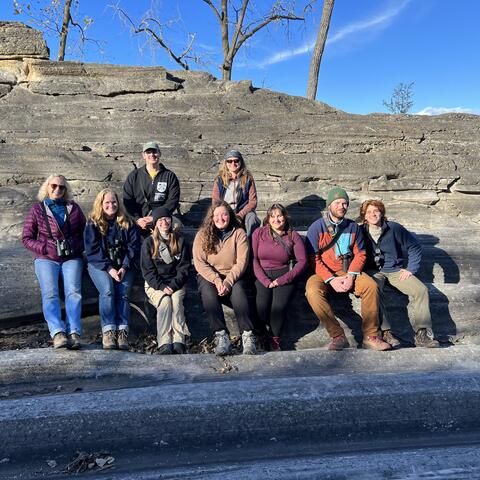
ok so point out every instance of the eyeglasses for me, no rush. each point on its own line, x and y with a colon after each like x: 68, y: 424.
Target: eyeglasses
x: 236, y: 160
x: 165, y: 219
x: 54, y: 186
x: 151, y: 152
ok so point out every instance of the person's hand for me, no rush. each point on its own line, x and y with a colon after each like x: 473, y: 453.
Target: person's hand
x: 337, y: 284
x: 114, y: 274
x: 167, y: 291
x: 404, y: 274
x: 273, y: 284
x: 347, y: 282
x: 144, y: 222
x: 121, y: 273
x: 218, y: 284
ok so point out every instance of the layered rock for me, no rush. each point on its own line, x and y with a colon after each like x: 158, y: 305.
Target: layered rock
x: 88, y: 121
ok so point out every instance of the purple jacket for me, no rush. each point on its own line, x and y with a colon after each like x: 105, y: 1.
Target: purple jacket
x: 269, y: 254
x: 36, y: 238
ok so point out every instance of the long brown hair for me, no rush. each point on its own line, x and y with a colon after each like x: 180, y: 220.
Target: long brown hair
x: 210, y: 238
x: 284, y: 212
x: 98, y: 217
x: 172, y: 242
x: 225, y: 175
x: 376, y: 203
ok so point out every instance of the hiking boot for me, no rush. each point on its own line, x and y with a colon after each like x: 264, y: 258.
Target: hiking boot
x: 222, y: 343
x: 390, y: 338
x: 179, y: 348
x: 122, y: 339
x: 74, y: 341
x: 275, y: 344
x: 423, y: 338
x: 109, y: 340
x: 338, y: 343
x: 165, y: 349
x: 248, y: 342
x: 376, y: 343
x: 60, y: 340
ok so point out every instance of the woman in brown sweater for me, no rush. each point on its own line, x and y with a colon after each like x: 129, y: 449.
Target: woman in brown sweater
x: 220, y: 256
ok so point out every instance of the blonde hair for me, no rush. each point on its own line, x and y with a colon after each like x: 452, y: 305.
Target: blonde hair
x: 98, y: 217
x: 225, y: 175
x: 43, y: 190
x: 172, y: 242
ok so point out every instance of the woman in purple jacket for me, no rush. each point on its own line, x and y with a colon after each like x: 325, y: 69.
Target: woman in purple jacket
x: 53, y: 231
x: 279, y: 258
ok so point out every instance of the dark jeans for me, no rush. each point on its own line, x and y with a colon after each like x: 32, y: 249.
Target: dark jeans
x: 236, y: 299
x: 272, y: 302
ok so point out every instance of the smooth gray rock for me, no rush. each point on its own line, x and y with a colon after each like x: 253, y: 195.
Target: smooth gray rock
x: 18, y: 41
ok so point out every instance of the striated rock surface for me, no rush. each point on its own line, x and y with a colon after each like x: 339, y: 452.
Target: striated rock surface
x: 88, y: 121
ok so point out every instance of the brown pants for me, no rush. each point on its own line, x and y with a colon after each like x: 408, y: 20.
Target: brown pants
x: 364, y: 287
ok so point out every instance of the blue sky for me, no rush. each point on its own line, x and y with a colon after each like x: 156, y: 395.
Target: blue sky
x: 373, y: 45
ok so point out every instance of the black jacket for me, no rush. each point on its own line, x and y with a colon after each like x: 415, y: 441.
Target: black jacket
x: 159, y: 274
x: 142, y: 195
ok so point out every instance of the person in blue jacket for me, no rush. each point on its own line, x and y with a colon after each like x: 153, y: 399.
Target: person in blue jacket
x: 112, y: 244
x: 385, y: 243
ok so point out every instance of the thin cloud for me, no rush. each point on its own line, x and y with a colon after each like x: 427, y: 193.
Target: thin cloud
x: 442, y: 110
x: 379, y: 21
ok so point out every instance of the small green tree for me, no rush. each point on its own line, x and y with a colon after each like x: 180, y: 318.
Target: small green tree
x: 401, y: 101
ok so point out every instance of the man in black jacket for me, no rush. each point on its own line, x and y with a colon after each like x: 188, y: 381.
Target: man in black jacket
x: 150, y: 187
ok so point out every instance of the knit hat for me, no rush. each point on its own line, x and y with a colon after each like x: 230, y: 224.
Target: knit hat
x: 160, y: 212
x: 151, y: 146
x: 233, y: 154
x: 335, y: 193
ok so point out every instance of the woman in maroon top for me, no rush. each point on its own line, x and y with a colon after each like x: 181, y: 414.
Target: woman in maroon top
x: 279, y: 258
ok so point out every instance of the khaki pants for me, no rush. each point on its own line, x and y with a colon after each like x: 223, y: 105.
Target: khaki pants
x: 417, y: 293
x: 364, y: 287
x: 171, y: 325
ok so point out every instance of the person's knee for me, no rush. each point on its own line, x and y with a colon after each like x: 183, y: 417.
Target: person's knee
x: 313, y: 288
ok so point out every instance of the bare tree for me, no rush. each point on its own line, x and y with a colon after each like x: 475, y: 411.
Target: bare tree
x: 318, y: 49
x: 55, y: 17
x: 152, y: 27
x: 401, y: 101
x: 245, y: 25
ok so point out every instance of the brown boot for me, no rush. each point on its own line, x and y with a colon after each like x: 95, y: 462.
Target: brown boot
x: 338, y: 343
x: 109, y: 340
x: 74, y: 341
x: 376, y: 343
x: 390, y: 338
x: 60, y: 340
x: 424, y: 339
x: 122, y: 339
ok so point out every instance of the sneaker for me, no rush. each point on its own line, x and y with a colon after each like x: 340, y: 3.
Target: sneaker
x: 109, y: 340
x: 122, y: 339
x: 60, y: 340
x: 165, y: 349
x: 338, y: 343
x: 222, y: 343
x: 275, y: 344
x: 423, y: 338
x: 74, y: 341
x: 390, y: 338
x: 179, y: 348
x: 376, y: 343
x: 248, y: 342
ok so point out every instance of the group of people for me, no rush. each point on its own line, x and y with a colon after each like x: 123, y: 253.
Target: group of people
x: 232, y: 252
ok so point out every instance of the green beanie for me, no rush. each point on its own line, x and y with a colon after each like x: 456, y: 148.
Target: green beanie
x: 335, y: 193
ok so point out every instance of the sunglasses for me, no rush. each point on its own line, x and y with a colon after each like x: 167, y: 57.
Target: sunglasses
x: 54, y: 186
x: 232, y: 161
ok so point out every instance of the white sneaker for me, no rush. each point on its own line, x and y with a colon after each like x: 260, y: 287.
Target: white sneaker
x: 248, y: 342
x: 222, y: 343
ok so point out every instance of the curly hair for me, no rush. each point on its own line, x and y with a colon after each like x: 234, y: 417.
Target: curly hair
x: 284, y: 212
x: 98, y: 217
x: 210, y: 239
x: 225, y: 175
x: 43, y: 190
x: 172, y: 242
x: 371, y: 202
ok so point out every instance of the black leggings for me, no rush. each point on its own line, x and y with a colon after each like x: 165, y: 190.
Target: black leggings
x: 236, y: 299
x: 272, y: 302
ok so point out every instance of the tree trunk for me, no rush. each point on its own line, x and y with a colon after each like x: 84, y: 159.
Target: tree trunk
x: 64, y: 32
x: 318, y: 49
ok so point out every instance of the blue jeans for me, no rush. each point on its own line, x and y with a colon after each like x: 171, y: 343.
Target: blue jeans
x: 113, y: 300
x: 48, y: 274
